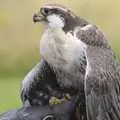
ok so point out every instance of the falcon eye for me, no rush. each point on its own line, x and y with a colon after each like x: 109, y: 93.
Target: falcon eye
x: 44, y: 11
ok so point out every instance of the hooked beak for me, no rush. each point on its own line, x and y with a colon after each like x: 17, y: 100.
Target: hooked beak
x: 37, y: 17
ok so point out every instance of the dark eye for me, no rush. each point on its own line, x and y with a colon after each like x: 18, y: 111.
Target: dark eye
x: 44, y: 11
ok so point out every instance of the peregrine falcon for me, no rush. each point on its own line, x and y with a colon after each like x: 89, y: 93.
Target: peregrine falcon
x: 76, y: 59
x: 63, y: 62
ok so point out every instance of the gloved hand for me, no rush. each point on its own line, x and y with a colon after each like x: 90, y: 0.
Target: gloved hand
x: 63, y: 111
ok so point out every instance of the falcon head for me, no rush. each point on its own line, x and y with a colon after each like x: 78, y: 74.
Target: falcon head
x: 57, y: 16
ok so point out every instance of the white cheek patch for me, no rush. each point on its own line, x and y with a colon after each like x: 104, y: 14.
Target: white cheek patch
x: 55, y: 21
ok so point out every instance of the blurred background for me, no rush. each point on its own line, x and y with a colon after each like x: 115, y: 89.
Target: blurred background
x: 19, y: 38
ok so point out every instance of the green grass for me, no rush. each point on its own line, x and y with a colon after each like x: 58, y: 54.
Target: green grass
x: 9, y: 93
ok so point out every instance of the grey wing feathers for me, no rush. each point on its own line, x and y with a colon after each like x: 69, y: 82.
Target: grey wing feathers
x: 102, y: 83
x: 31, y: 78
x: 35, y: 85
x: 102, y: 97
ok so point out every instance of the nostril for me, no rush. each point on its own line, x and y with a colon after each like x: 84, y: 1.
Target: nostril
x: 35, y: 15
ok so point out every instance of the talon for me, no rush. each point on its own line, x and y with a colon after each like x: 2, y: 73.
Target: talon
x: 67, y: 96
x: 55, y: 100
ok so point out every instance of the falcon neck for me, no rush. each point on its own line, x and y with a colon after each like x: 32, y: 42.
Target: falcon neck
x: 57, y: 33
